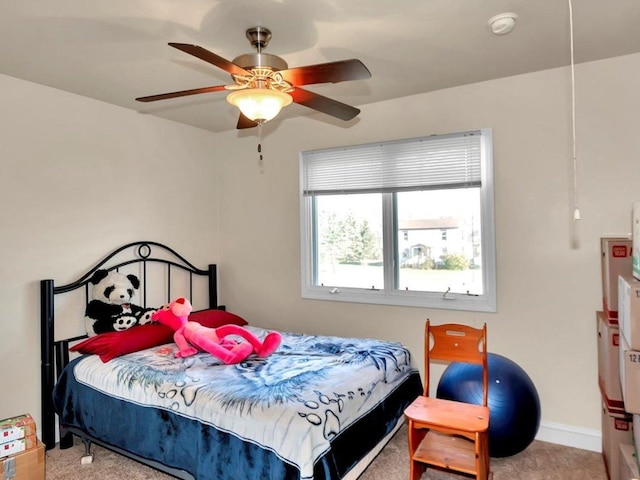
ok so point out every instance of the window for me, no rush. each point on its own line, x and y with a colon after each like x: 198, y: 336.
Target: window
x: 407, y: 222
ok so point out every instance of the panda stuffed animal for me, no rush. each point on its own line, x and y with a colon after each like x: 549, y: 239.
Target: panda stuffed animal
x: 110, y: 308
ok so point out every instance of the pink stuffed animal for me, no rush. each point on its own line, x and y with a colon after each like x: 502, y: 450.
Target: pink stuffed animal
x: 192, y: 337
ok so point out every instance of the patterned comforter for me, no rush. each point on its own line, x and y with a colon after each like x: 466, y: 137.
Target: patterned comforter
x: 302, y: 413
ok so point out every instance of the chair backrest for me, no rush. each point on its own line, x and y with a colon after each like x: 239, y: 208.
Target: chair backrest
x: 454, y: 342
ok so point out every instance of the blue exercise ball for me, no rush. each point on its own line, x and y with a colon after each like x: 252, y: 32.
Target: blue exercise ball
x: 513, y: 401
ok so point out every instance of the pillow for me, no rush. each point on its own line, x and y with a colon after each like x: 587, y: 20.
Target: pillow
x: 110, y: 345
x: 114, y: 344
x: 214, y: 318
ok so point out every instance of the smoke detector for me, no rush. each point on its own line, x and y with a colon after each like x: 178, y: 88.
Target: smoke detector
x: 503, y: 23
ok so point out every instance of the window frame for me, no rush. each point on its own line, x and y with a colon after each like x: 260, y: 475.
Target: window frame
x: 390, y: 295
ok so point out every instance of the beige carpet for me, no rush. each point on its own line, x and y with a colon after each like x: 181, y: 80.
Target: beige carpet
x: 540, y: 461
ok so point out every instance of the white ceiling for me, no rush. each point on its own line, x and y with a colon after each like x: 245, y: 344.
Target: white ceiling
x: 116, y: 50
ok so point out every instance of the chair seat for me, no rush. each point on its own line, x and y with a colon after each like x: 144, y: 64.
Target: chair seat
x: 428, y: 412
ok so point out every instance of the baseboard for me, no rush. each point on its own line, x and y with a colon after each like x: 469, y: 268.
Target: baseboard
x: 570, y: 436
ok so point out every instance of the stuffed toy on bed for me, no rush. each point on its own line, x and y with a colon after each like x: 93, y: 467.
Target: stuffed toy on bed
x: 110, y: 308
x: 191, y: 337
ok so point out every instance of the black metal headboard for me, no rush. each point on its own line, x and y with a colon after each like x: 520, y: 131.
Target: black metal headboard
x: 51, y: 350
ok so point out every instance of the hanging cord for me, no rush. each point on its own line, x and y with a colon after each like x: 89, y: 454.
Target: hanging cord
x: 576, y: 211
x: 260, y: 141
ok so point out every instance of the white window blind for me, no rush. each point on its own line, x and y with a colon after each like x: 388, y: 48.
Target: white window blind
x: 433, y: 162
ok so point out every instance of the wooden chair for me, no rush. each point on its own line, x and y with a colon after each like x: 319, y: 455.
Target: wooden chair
x: 443, y: 433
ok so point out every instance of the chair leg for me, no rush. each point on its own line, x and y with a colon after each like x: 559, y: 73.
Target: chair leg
x: 482, y: 457
x: 416, y: 435
x: 416, y: 469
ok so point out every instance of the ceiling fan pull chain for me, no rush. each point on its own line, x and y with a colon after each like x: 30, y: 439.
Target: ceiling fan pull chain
x: 260, y: 140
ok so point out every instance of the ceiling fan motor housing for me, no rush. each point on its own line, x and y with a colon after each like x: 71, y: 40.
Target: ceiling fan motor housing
x: 260, y: 60
x: 259, y: 38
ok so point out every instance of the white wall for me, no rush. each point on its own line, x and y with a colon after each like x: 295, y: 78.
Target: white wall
x: 79, y: 178
x: 548, y: 266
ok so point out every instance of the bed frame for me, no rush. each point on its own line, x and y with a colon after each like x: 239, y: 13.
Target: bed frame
x: 55, y: 352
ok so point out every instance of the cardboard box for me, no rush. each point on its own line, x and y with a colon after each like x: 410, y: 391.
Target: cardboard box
x: 616, y: 431
x: 635, y: 236
x: 616, y: 260
x: 17, y: 427
x: 629, y: 376
x: 27, y: 465
x: 17, y: 445
x: 636, y: 432
x: 629, y: 310
x: 609, y: 363
x: 628, y: 463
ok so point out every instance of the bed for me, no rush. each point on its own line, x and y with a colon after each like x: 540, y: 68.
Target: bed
x: 318, y: 408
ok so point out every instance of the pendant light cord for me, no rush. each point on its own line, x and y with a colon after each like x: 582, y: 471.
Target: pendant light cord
x: 576, y: 211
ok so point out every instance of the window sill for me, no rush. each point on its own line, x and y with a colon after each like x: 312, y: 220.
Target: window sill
x: 485, y: 303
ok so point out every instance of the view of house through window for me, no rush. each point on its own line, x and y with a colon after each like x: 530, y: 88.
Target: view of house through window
x: 439, y: 245
x: 407, y: 222
x: 438, y: 241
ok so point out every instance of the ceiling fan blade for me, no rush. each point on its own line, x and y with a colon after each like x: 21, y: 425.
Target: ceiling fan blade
x: 324, y: 104
x: 207, y: 56
x: 182, y: 93
x: 332, y: 72
x: 245, y: 122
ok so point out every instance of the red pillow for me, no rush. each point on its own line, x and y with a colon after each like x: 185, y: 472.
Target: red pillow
x: 114, y: 344
x: 214, y: 318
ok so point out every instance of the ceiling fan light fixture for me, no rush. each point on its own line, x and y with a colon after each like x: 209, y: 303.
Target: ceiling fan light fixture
x: 259, y: 104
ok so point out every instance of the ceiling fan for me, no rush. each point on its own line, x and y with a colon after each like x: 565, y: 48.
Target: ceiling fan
x: 264, y: 83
